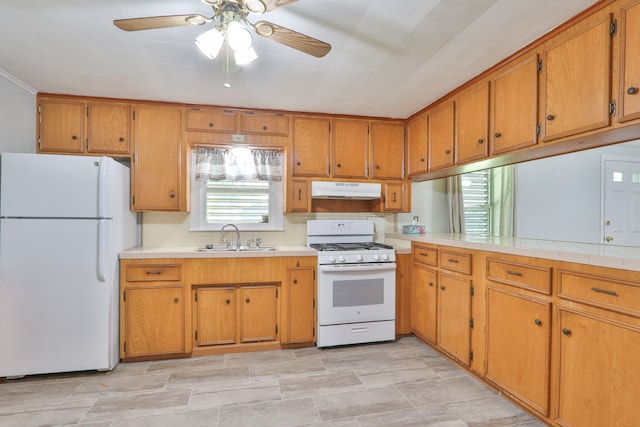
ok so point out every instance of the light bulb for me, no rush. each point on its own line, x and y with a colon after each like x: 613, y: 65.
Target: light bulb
x: 245, y: 56
x: 210, y: 43
x: 238, y: 37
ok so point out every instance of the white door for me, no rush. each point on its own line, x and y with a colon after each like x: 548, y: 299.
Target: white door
x: 621, y: 202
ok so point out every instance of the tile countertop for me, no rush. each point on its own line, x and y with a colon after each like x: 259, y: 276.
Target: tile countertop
x: 622, y: 257
x: 143, y: 252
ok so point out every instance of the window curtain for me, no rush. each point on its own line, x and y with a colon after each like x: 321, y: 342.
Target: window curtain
x: 503, y: 201
x: 238, y: 164
x: 455, y: 204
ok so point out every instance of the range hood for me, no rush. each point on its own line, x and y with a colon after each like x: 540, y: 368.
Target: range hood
x: 345, y: 190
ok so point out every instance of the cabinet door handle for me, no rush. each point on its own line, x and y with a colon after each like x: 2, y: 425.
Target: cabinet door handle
x: 497, y: 134
x: 298, y: 163
x: 176, y: 300
x: 632, y: 90
x: 538, y: 322
x: 210, y: 124
x: 339, y: 165
x: 247, y: 300
x: 422, y: 159
x: 394, y: 197
x: 299, y: 195
x: 74, y: 137
x: 604, y: 291
x: 551, y: 117
x: 430, y: 283
x: 447, y: 151
x: 377, y: 166
x: 264, y: 128
x: 172, y: 195
x: 295, y: 281
x: 514, y: 273
x: 228, y: 301
x: 442, y: 288
x: 480, y: 141
x: 121, y: 139
x: 566, y: 331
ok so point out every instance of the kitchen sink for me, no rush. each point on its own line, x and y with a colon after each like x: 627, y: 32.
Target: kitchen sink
x: 233, y: 249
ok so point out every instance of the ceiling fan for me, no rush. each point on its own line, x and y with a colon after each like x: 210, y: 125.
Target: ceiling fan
x: 229, y: 16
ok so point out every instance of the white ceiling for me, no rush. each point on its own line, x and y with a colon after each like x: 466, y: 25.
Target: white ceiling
x: 388, y: 58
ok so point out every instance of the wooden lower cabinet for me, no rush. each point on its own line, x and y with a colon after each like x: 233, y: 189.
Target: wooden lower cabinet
x: 599, y: 376
x: 214, y: 315
x: 301, y: 325
x: 423, y: 302
x: 454, y: 316
x: 518, y: 346
x: 258, y: 313
x: 403, y: 293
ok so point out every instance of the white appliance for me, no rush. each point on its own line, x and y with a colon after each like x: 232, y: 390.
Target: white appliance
x: 345, y: 190
x: 356, y: 283
x: 63, y: 220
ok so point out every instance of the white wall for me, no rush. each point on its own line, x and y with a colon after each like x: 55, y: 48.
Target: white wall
x: 17, y: 116
x: 559, y: 198
x: 429, y: 203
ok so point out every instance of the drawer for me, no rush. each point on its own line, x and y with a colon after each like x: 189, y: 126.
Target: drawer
x: 425, y: 255
x: 455, y: 261
x: 616, y: 295
x: 522, y: 275
x: 211, y: 120
x: 153, y: 272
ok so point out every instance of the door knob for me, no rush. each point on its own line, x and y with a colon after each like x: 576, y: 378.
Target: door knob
x: 632, y: 90
x: 608, y: 238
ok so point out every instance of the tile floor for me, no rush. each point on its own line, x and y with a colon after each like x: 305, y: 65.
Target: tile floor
x: 404, y: 383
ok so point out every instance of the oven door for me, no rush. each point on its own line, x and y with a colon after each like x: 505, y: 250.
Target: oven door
x: 355, y: 293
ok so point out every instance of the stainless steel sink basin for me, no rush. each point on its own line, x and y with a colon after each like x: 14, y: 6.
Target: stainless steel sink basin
x: 233, y: 249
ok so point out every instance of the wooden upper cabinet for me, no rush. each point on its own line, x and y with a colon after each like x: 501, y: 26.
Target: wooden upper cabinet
x: 211, y: 120
x: 311, y: 146
x: 629, y: 96
x: 472, y: 122
x: 157, y: 167
x: 387, y: 150
x: 417, y: 145
x: 61, y: 126
x: 515, y: 107
x: 275, y: 124
x: 109, y: 128
x: 576, y: 73
x: 441, y: 133
x: 350, y: 148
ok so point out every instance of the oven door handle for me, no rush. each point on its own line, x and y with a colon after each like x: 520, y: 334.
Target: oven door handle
x: 357, y: 267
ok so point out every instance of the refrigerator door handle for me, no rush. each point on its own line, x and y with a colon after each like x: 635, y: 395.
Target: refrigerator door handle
x: 102, y: 250
x: 102, y: 188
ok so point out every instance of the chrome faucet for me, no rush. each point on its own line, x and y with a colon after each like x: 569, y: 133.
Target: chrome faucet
x: 238, y: 243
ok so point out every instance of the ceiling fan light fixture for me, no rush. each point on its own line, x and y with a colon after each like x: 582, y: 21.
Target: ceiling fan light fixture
x: 264, y: 29
x: 255, y: 6
x: 238, y: 37
x: 245, y: 56
x: 196, y: 20
x: 210, y: 43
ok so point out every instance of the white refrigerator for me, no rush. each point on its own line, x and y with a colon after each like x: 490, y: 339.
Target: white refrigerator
x: 63, y: 220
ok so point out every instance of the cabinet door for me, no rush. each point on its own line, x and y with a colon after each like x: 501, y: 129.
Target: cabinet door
x: 154, y: 321
x: 157, y: 161
x: 276, y: 124
x: 518, y: 345
x: 440, y: 132
x: 417, y: 145
x: 630, y: 62
x: 403, y: 293
x: 393, y: 197
x: 472, y: 120
x: 310, y: 146
x: 109, y: 128
x: 301, y: 305
x: 211, y: 120
x: 350, y: 148
x: 599, y: 373
x: 424, y: 302
x: 515, y: 107
x: 577, y: 79
x: 61, y: 126
x: 214, y: 314
x: 454, y: 316
x: 387, y: 150
x: 298, y: 196
x: 258, y: 313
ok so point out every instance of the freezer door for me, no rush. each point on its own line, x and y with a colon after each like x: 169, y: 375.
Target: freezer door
x: 56, y: 315
x: 55, y: 186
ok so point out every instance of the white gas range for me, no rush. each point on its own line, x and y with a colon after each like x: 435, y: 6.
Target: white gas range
x: 356, y: 283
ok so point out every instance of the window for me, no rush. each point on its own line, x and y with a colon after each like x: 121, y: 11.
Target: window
x: 239, y: 198
x: 476, y: 197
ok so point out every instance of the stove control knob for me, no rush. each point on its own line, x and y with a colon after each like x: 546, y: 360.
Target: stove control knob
x: 376, y: 257
x: 332, y: 259
x: 358, y: 258
x: 385, y: 257
x: 340, y: 258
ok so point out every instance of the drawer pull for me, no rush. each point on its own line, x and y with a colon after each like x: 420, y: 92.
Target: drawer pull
x: 153, y: 272
x: 430, y: 283
x: 566, y: 331
x: 604, y: 291
x: 442, y: 288
x: 538, y: 322
x: 514, y: 273
x: 453, y: 261
x: 424, y: 254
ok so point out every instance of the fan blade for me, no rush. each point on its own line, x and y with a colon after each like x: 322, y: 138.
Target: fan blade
x: 275, y: 4
x: 155, y: 22
x: 293, y: 39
